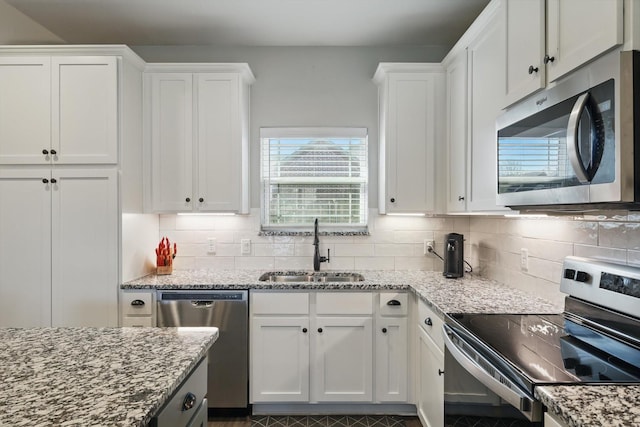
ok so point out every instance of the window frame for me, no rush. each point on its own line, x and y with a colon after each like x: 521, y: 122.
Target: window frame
x: 314, y: 133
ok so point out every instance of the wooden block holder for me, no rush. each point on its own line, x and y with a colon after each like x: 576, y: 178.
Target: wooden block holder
x: 164, y: 269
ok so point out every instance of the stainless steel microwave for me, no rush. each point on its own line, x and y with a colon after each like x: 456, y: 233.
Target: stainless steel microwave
x: 574, y: 144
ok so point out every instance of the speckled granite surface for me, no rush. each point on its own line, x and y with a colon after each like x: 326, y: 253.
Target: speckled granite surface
x: 93, y: 376
x: 577, y: 405
x: 593, y: 406
x: 468, y: 294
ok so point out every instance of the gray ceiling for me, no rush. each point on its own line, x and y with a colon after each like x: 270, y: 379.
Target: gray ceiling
x: 255, y: 22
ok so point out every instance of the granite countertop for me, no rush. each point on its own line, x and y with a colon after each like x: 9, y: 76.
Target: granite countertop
x: 578, y: 406
x: 470, y: 294
x: 593, y: 406
x: 94, y: 376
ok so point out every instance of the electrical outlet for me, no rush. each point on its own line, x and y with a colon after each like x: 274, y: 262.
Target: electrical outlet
x: 212, y: 243
x: 524, y: 259
x: 245, y: 246
x: 428, y: 246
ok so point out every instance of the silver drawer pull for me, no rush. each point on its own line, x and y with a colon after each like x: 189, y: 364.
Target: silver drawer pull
x: 188, y: 402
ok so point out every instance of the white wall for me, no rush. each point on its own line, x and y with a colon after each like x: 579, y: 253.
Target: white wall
x: 306, y: 86
x: 17, y: 28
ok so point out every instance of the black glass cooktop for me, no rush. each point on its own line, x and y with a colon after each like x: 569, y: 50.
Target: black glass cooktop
x: 547, y: 349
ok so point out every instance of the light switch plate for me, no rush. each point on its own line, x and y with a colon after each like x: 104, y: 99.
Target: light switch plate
x: 211, y: 248
x: 524, y: 259
x: 245, y: 246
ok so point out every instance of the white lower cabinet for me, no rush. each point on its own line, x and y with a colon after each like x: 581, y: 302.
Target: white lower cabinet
x: 431, y: 381
x: 137, y: 309
x: 58, y: 252
x: 320, y: 347
x: 343, y: 368
x: 430, y: 375
x: 280, y: 359
x: 550, y: 421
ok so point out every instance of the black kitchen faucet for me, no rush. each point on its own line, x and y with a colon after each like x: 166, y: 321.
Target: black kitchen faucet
x: 317, y: 259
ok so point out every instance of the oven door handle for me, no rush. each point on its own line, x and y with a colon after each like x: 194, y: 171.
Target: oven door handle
x: 513, y: 396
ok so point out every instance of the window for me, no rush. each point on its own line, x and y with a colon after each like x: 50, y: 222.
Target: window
x: 309, y: 173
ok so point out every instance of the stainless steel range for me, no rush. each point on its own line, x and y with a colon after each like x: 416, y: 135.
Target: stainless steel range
x: 494, y: 362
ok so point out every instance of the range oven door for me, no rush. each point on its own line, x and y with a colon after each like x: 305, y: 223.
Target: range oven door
x: 475, y: 388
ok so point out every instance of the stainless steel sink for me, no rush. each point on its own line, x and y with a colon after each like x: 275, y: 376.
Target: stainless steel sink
x: 296, y: 276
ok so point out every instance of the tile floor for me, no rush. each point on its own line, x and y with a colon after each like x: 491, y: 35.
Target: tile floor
x: 317, y: 421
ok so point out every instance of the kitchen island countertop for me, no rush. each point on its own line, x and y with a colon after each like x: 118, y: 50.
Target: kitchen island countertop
x: 94, y: 376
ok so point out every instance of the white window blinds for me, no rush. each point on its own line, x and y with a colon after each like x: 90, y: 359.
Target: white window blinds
x: 309, y: 173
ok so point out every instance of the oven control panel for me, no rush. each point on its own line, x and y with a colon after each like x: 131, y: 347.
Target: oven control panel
x: 615, y: 286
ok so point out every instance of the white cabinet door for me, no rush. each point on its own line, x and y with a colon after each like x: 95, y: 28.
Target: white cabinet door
x: 25, y: 109
x: 487, y: 92
x: 431, y: 382
x: 525, y: 21
x: 457, y: 133
x: 343, y: 367
x: 84, y: 109
x: 411, y: 135
x: 280, y: 359
x: 580, y: 30
x: 172, y: 142
x: 219, y: 146
x: 391, y: 359
x: 25, y: 248
x: 84, y: 247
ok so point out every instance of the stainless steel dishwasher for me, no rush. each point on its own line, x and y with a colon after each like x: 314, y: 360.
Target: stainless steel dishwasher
x: 228, y: 379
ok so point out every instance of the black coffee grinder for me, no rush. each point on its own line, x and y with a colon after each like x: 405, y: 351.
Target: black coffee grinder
x: 453, y: 255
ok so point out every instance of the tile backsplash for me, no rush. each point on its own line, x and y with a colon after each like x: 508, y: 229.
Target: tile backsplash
x: 394, y: 243
x: 493, y: 245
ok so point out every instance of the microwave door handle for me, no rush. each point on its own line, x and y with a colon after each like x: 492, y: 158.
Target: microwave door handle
x: 573, y: 151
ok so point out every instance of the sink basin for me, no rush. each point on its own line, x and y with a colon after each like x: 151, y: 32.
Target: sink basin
x: 296, y: 276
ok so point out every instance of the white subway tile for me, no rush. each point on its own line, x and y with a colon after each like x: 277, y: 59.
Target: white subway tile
x: 356, y: 249
x: 255, y: 263
x: 416, y: 263
x: 340, y: 263
x: 295, y: 263
x: 215, y: 263
x: 609, y: 254
x: 390, y: 249
x: 374, y: 263
x: 282, y: 250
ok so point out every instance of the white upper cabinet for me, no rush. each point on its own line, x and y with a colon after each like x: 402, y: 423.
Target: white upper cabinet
x: 525, y: 21
x: 58, y: 110
x: 172, y: 141
x: 546, y: 39
x: 198, y: 137
x: 410, y: 117
x: 85, y: 109
x: 486, y: 65
x: 457, y: 132
x: 580, y: 30
x: 25, y: 109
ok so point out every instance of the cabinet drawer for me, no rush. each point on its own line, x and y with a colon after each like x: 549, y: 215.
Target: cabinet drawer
x: 137, y: 303
x: 279, y: 303
x: 393, y: 303
x: 431, y: 323
x: 195, y: 387
x: 344, y: 303
x: 137, y: 321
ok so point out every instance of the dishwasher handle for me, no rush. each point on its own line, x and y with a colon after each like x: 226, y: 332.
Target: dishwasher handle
x: 202, y: 304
